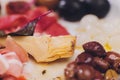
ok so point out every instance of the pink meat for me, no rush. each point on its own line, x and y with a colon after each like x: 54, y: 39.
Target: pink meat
x: 11, y: 55
x: 15, y: 65
x: 15, y: 68
x: 9, y: 78
x: 3, y: 65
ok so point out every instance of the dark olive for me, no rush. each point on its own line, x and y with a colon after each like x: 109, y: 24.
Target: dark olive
x: 112, y: 56
x: 98, y: 76
x: 100, y: 64
x: 94, y: 48
x: 70, y: 71
x: 116, y: 65
x: 84, y: 58
x: 71, y: 10
x: 85, y: 72
x: 99, y: 8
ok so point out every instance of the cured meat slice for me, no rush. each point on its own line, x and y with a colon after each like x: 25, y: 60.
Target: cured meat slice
x: 9, y: 78
x: 3, y: 65
x: 13, y: 46
x: 11, y: 55
x: 15, y: 68
x: 14, y: 23
x: 56, y: 30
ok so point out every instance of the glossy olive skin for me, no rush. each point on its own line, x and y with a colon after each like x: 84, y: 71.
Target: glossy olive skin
x: 100, y: 64
x: 70, y: 71
x: 85, y: 72
x: 112, y: 56
x: 99, y: 8
x: 71, y: 10
x: 94, y: 48
x: 116, y: 66
x: 98, y: 76
x: 84, y: 58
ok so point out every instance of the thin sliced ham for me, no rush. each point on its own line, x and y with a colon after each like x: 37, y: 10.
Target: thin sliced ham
x: 3, y: 65
x: 15, y: 65
x: 11, y: 55
x: 4, y: 51
x: 13, y: 46
x: 9, y: 78
x: 12, y: 58
x: 15, y: 68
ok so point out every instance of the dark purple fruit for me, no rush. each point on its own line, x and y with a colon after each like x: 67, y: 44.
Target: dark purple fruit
x: 94, y: 48
x: 112, y: 56
x: 99, y: 8
x: 100, y: 64
x: 116, y: 66
x: 85, y: 72
x: 70, y: 71
x: 71, y: 10
x: 98, y: 76
x: 84, y: 58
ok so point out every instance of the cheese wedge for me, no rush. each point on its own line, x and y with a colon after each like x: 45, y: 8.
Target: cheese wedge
x: 46, y: 48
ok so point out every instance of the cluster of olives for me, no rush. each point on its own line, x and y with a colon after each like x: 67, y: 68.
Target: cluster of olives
x: 92, y: 63
x: 74, y: 10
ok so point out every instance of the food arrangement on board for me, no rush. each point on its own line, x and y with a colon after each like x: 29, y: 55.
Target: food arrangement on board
x: 37, y: 41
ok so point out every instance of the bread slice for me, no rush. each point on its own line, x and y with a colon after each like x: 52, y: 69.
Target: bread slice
x: 47, y: 48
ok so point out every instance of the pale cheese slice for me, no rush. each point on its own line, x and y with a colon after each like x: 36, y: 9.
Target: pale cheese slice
x: 46, y: 48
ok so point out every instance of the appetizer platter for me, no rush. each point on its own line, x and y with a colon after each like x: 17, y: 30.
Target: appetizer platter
x: 59, y: 40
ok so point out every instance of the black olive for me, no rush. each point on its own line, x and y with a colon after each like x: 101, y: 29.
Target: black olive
x: 85, y: 72
x: 99, y: 8
x: 98, y: 76
x: 70, y: 71
x: 112, y: 56
x: 84, y: 58
x: 100, y: 64
x: 71, y: 10
x: 94, y: 48
x: 116, y: 65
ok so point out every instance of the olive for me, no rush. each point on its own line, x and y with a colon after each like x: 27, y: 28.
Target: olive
x: 116, y: 65
x: 71, y: 10
x: 95, y: 48
x: 99, y: 8
x: 100, y: 64
x: 98, y: 76
x: 85, y: 72
x: 84, y: 58
x: 112, y: 56
x: 70, y: 71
